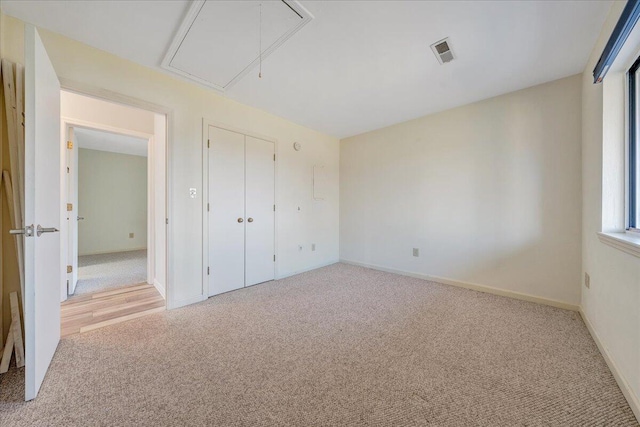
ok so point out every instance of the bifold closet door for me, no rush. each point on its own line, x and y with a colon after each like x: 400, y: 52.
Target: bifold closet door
x: 226, y: 210
x: 260, y: 215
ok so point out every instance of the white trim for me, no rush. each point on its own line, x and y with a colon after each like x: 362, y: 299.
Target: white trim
x: 472, y: 286
x: 626, y: 242
x: 304, y: 270
x: 626, y: 389
x: 160, y: 287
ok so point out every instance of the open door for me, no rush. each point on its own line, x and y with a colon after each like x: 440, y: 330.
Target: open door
x: 72, y: 211
x: 43, y: 260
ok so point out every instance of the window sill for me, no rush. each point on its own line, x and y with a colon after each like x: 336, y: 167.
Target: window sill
x: 626, y: 242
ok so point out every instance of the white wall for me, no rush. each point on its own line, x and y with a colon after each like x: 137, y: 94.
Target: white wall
x: 612, y: 303
x: 112, y: 198
x: 489, y: 193
x: 316, y: 222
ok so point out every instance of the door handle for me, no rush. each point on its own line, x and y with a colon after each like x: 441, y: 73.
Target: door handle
x: 41, y: 230
x: 250, y: 219
x: 240, y: 220
x: 80, y: 218
x: 27, y: 231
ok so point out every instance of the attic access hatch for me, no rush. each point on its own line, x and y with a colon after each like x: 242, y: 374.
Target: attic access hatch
x: 218, y: 42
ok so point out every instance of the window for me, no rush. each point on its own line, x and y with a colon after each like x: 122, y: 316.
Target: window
x: 633, y: 152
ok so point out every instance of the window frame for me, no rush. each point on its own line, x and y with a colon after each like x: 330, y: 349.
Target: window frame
x: 632, y: 160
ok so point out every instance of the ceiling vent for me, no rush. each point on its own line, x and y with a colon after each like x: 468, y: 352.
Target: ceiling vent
x: 442, y: 50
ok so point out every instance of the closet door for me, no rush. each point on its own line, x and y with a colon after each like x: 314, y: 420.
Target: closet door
x: 226, y: 210
x: 259, y: 198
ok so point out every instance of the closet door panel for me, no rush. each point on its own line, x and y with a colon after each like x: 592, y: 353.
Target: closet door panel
x: 226, y: 210
x: 260, y: 225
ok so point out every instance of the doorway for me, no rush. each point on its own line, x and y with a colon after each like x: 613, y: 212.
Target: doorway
x: 115, y: 182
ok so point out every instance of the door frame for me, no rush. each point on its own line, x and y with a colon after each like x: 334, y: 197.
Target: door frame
x: 205, y: 195
x: 96, y: 92
x: 71, y: 123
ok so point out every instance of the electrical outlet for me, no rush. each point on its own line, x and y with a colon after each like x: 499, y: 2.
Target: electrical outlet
x: 587, y: 281
x: 131, y: 235
x: 416, y: 252
x: 193, y: 193
x: 313, y: 247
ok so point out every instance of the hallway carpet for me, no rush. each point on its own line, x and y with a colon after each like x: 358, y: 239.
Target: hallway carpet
x: 341, y: 345
x: 98, y: 273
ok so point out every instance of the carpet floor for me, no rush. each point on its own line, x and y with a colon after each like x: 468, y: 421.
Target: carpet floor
x: 97, y: 273
x: 341, y: 345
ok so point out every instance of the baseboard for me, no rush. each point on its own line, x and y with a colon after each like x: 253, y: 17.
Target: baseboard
x: 315, y: 267
x: 114, y: 252
x: 468, y: 285
x: 161, y: 289
x: 627, y: 391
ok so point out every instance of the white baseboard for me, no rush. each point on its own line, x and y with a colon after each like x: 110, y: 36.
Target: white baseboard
x: 468, y: 285
x: 627, y: 391
x: 161, y: 289
x: 114, y: 251
x: 315, y: 267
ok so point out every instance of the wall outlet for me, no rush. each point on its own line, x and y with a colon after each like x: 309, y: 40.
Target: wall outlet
x: 587, y: 281
x: 131, y: 235
x: 416, y: 252
x: 193, y: 193
x: 313, y: 247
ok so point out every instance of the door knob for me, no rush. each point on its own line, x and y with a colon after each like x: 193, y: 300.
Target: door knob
x: 250, y: 219
x: 27, y: 231
x: 240, y: 220
x: 41, y: 230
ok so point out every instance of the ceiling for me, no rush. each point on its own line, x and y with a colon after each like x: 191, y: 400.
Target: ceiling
x: 105, y: 141
x: 358, y: 65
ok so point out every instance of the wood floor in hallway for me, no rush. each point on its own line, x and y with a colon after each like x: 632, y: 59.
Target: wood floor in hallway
x: 85, y: 313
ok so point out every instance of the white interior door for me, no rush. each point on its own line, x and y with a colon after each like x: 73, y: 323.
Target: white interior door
x: 226, y: 210
x: 259, y: 200
x: 44, y: 257
x: 72, y: 215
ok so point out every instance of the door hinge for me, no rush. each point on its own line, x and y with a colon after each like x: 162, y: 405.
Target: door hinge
x: 69, y: 269
x: 207, y: 271
x: 69, y: 145
x: 208, y: 143
x: 274, y: 157
x: 274, y: 258
x: 69, y: 207
x: 67, y: 169
x: 166, y: 221
x: 208, y: 207
x: 274, y: 208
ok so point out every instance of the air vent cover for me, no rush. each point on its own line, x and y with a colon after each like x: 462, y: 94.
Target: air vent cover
x: 442, y: 50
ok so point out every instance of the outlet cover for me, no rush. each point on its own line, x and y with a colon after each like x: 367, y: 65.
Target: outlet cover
x: 131, y: 235
x: 416, y: 252
x: 587, y: 281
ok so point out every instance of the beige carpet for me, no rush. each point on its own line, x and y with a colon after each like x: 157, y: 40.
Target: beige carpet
x: 341, y: 345
x: 98, y: 273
